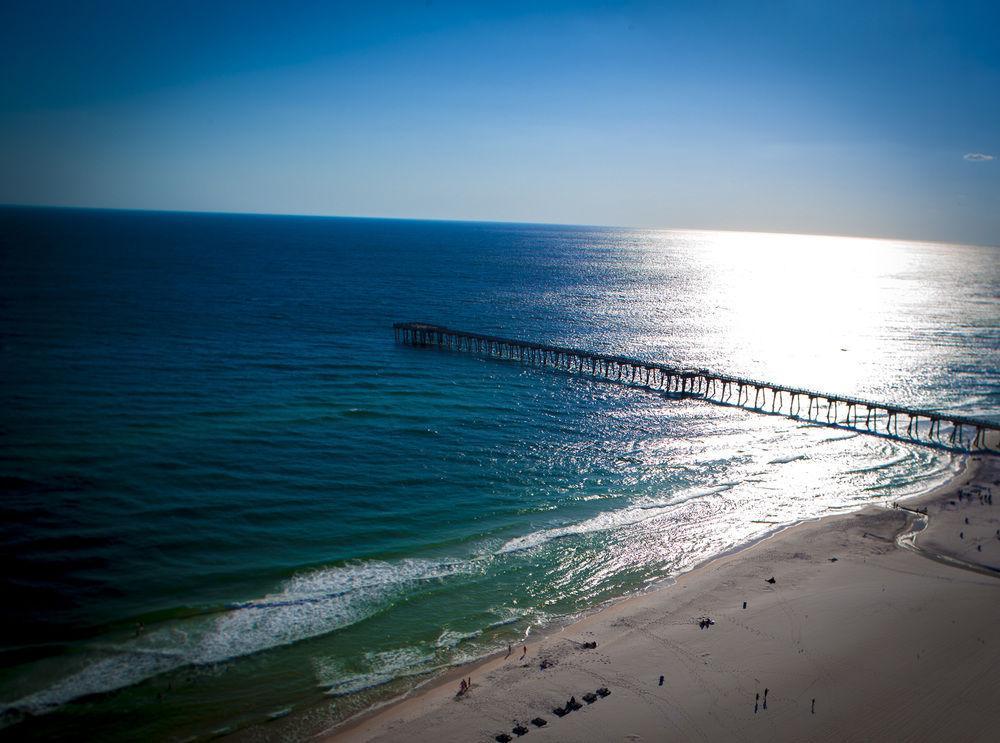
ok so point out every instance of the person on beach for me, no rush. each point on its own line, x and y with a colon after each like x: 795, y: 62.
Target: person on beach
x: 463, y: 688
x: 508, y: 652
x: 524, y: 652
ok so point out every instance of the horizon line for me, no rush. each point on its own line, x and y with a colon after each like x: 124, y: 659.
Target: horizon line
x: 307, y: 215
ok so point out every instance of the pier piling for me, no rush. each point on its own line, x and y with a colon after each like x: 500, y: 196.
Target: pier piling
x: 964, y: 433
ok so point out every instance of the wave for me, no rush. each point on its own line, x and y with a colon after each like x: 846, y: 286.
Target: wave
x: 608, y: 520
x: 383, y: 668
x: 514, y: 619
x: 315, y: 603
x: 367, y: 413
x: 788, y: 460
x: 450, y: 638
x: 838, y: 438
x: 307, y: 605
x: 899, y: 459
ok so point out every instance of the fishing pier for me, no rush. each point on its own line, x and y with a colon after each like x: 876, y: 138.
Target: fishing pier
x: 864, y: 416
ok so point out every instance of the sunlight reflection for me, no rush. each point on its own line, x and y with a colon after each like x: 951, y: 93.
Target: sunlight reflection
x: 794, y: 309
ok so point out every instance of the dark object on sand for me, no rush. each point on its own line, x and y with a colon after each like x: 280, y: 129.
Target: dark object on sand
x: 519, y: 730
x: 572, y: 705
x: 547, y: 663
x: 603, y: 692
x: 592, y: 697
x: 705, y: 622
x: 560, y: 712
x: 833, y: 559
x: 589, y: 645
x: 744, y: 604
x: 814, y: 707
x: 504, y: 738
x: 539, y: 722
x: 661, y: 682
x: 771, y: 579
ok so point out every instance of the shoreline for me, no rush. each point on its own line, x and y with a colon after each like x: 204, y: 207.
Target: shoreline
x: 435, y: 698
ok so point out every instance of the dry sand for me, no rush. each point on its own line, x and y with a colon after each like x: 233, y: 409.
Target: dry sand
x: 891, y: 644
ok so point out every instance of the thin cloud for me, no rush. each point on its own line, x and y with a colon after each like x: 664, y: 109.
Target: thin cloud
x: 977, y: 157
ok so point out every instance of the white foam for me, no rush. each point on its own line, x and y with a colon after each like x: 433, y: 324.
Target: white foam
x: 634, y: 514
x: 102, y: 675
x: 306, y: 605
x: 510, y: 616
x: 382, y: 667
x: 788, y: 460
x: 838, y: 438
x: 450, y: 638
x: 900, y: 459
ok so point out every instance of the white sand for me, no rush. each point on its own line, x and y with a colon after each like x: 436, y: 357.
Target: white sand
x: 892, y: 645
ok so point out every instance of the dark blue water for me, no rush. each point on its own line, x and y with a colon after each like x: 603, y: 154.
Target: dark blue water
x: 227, y: 492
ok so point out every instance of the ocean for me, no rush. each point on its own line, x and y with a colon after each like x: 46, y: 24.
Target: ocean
x: 233, y: 505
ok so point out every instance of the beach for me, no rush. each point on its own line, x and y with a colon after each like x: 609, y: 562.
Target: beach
x: 874, y: 628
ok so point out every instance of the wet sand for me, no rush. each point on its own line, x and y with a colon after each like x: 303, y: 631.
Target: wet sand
x: 892, y: 630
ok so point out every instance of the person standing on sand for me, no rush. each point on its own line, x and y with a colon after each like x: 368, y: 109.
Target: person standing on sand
x: 508, y: 652
x: 524, y: 652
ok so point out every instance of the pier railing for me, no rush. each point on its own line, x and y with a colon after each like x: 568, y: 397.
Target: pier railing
x: 854, y: 413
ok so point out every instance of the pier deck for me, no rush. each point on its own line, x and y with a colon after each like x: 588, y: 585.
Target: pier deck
x: 865, y: 416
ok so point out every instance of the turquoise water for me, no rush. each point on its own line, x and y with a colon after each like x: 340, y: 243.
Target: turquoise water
x: 230, y: 495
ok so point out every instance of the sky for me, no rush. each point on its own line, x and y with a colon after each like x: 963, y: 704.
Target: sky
x: 858, y: 118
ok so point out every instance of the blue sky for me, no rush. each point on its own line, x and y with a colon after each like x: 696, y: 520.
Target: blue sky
x: 795, y: 116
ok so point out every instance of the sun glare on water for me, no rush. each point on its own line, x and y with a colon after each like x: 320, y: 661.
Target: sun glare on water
x: 806, y: 310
